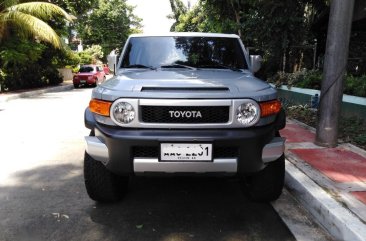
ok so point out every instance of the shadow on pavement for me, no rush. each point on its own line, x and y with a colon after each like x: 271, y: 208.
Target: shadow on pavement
x: 50, y: 203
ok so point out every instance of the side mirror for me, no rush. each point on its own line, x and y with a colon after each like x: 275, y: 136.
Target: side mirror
x: 255, y: 62
x: 112, y: 61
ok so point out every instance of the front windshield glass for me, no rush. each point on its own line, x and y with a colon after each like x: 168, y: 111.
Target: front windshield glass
x: 180, y: 52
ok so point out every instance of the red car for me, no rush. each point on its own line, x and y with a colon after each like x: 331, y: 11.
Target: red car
x: 89, y: 75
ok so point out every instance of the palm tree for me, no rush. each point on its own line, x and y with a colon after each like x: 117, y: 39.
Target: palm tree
x: 28, y: 19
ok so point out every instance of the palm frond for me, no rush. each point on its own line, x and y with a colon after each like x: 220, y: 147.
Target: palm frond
x: 42, y: 10
x: 7, y: 3
x: 3, y: 26
x: 29, y: 25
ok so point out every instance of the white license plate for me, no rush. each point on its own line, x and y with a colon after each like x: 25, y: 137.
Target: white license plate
x: 82, y: 81
x: 185, y: 152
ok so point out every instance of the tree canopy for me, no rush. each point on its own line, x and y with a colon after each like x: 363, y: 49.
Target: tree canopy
x: 109, y: 25
x: 33, y: 49
x: 274, y: 29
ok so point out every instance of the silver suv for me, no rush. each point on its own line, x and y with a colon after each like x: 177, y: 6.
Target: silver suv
x: 184, y: 103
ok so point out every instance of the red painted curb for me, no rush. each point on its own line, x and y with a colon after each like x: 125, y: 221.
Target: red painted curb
x: 296, y: 134
x: 338, y: 164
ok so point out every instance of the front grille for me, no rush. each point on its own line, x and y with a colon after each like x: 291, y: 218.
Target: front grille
x: 175, y: 114
x: 225, y: 151
x: 145, y: 151
x: 153, y: 151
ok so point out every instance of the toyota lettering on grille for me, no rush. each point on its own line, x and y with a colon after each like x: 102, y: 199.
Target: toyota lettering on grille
x: 185, y: 114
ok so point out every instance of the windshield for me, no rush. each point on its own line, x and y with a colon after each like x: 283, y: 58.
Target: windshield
x: 179, y: 52
x: 86, y: 69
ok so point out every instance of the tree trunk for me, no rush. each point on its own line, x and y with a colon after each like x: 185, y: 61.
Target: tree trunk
x: 339, y: 31
x: 237, y: 17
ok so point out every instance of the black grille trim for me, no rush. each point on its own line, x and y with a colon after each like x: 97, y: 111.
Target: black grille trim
x: 161, y: 114
x: 145, y: 151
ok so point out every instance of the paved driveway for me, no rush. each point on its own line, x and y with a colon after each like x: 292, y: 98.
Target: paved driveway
x: 42, y: 195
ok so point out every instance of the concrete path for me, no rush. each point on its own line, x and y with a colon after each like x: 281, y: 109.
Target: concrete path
x: 4, y: 97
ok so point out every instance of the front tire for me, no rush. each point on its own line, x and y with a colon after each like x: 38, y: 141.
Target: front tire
x: 101, y: 184
x: 95, y: 82
x: 266, y: 185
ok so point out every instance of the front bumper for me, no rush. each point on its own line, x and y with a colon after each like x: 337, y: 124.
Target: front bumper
x: 121, y: 162
x: 249, y: 149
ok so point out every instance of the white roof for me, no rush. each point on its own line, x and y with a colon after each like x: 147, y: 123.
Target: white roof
x: 186, y: 34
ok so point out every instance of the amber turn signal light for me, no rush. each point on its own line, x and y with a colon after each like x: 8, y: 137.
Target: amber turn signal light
x: 100, y: 107
x: 270, y: 108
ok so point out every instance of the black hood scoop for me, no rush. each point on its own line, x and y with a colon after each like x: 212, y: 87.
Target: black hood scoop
x: 185, y: 89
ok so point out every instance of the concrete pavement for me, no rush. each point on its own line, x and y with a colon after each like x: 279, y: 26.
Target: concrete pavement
x: 4, y: 97
x: 329, y: 182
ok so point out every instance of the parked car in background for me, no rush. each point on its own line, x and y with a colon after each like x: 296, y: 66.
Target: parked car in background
x: 89, y: 75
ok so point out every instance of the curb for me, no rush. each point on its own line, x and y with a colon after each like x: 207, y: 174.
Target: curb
x: 36, y: 92
x: 335, y: 218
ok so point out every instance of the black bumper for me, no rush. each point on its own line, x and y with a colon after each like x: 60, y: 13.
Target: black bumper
x: 245, y: 144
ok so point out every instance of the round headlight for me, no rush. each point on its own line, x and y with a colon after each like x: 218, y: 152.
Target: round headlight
x: 123, y: 112
x: 248, y: 113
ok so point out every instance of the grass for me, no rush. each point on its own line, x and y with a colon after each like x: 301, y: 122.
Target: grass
x: 351, y: 129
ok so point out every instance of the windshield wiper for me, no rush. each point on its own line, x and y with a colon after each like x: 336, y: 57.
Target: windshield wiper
x: 178, y: 65
x: 217, y: 66
x: 139, y: 66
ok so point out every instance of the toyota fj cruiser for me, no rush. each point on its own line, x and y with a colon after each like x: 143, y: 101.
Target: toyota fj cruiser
x: 184, y: 103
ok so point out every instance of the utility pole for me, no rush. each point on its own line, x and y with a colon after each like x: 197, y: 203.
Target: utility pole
x: 336, y: 55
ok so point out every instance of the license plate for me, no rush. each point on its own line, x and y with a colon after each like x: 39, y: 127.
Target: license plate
x: 82, y: 81
x: 185, y: 152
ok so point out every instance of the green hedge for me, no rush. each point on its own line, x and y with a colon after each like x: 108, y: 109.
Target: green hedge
x: 312, y: 79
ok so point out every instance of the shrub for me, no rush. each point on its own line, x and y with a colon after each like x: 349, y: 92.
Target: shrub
x: 355, y: 85
x: 91, y: 55
x: 304, y: 79
x: 85, y: 58
x: 2, y: 79
x: 26, y: 64
x: 351, y: 129
x: 312, y: 79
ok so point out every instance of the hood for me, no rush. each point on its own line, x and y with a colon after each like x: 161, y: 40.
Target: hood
x: 184, y: 84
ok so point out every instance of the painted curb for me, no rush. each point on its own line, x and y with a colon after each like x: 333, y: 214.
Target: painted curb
x: 335, y: 218
x: 36, y: 92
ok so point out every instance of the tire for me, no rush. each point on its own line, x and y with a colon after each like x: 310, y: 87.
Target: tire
x: 101, y: 184
x: 76, y: 86
x: 95, y: 83
x: 266, y: 185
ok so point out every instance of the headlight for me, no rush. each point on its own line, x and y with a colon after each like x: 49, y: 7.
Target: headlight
x: 123, y: 112
x: 248, y: 113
